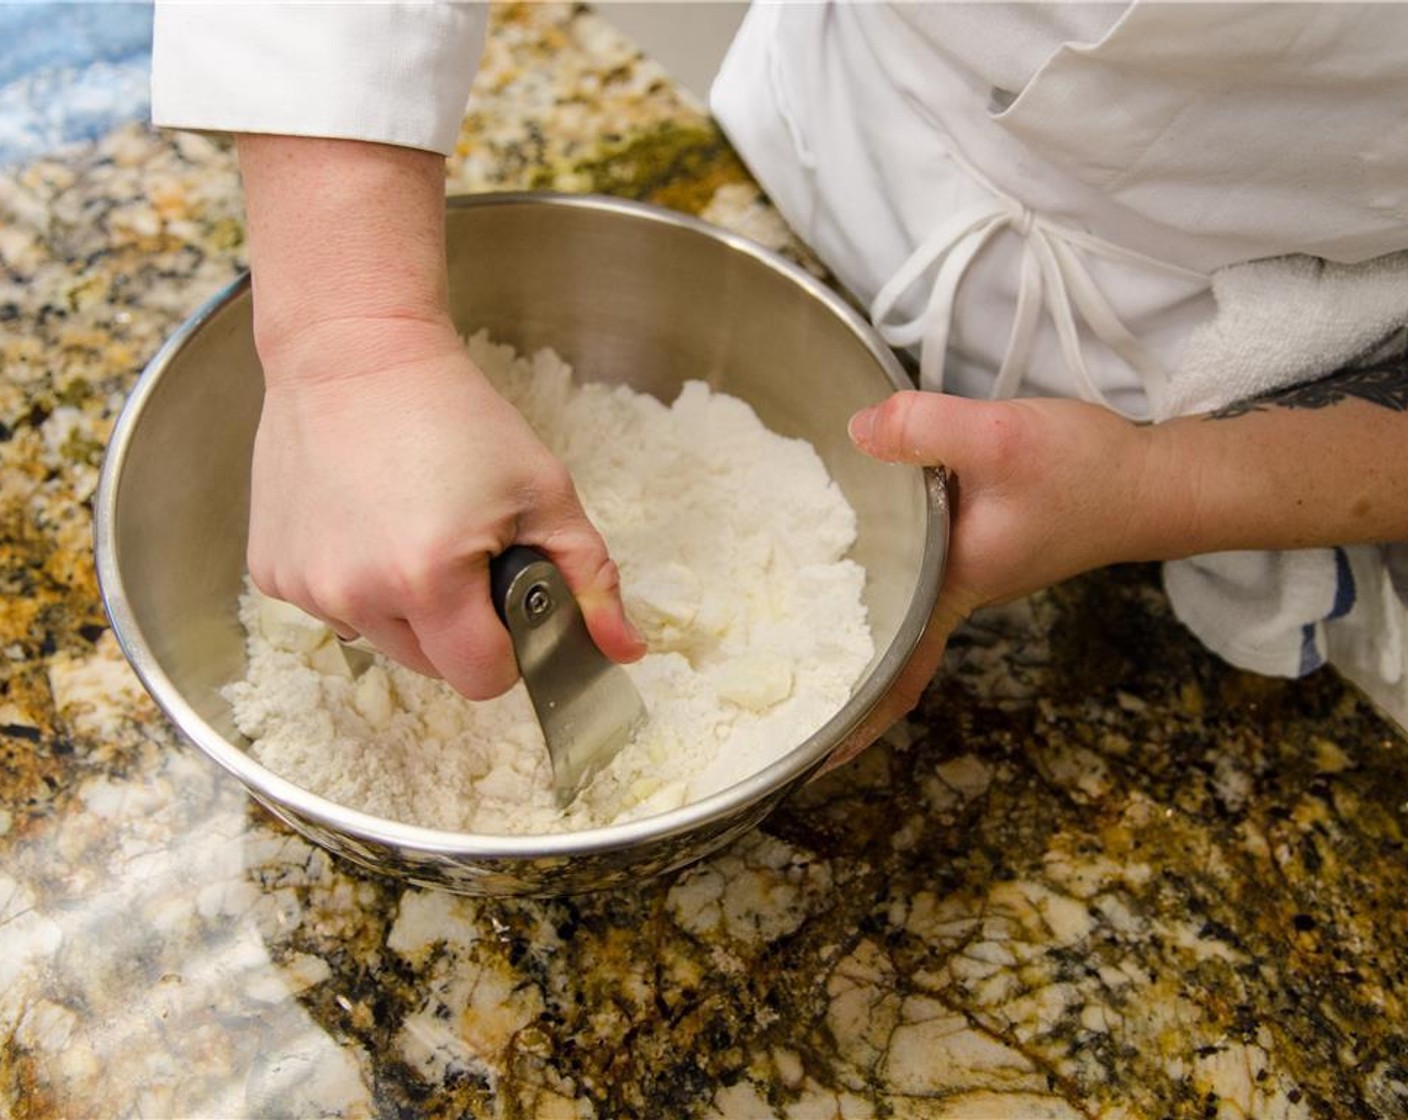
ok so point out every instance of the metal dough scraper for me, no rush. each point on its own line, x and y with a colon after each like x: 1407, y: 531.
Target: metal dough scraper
x: 586, y: 704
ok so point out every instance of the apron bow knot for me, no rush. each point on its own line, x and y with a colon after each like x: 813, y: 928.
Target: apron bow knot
x: 1052, y: 275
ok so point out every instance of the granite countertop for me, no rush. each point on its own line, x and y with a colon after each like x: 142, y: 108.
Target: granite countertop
x: 1098, y: 874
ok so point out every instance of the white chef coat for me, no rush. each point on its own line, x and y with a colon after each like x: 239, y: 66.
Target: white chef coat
x: 397, y: 72
x: 1032, y: 198
x: 1104, y: 176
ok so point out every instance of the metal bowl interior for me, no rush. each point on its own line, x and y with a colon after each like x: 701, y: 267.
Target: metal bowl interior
x: 626, y: 293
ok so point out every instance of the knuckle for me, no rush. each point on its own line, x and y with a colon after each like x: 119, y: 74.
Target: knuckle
x: 426, y: 577
x: 607, y: 578
x: 406, y: 580
x: 265, y: 577
x: 341, y: 595
x: 553, y: 482
x: 902, y: 425
x: 584, y: 561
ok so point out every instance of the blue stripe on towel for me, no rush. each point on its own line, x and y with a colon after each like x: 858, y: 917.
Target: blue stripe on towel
x: 1344, y: 586
x: 1311, y: 658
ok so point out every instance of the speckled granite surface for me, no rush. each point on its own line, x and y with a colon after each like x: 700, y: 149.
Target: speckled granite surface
x: 1099, y: 874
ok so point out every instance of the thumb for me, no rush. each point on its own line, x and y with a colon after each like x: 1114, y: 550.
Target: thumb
x: 595, y: 581
x: 931, y: 429
x: 904, y: 428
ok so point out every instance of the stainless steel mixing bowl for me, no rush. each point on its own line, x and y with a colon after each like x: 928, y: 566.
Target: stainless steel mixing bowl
x: 625, y: 292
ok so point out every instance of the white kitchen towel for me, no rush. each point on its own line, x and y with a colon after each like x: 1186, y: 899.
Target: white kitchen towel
x: 1280, y: 323
x: 1285, y: 321
x: 1262, y: 610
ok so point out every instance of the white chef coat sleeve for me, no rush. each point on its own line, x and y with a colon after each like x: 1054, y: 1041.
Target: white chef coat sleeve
x: 398, y: 73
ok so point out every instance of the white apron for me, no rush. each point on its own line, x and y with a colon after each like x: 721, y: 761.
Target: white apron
x: 1056, y: 231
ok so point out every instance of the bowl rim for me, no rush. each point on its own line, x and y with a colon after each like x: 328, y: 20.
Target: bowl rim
x: 721, y: 806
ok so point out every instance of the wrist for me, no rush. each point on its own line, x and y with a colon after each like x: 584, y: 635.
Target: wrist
x: 347, y: 242
x: 356, y: 330
x: 338, y: 350
x: 1161, y: 495
x: 1194, y: 500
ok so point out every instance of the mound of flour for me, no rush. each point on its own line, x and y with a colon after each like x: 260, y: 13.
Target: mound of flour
x: 732, y: 545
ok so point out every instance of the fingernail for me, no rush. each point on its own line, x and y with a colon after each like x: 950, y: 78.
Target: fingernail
x: 862, y: 426
x: 636, y: 635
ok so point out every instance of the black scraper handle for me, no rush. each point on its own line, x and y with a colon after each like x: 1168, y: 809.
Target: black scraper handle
x: 505, y: 568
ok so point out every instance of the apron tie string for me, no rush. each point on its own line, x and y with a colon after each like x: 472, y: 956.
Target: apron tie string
x: 1052, y: 275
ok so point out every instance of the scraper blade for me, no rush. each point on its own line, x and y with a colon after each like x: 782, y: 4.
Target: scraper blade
x: 586, y: 704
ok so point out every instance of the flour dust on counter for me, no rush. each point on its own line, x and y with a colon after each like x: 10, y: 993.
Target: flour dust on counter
x: 732, y: 543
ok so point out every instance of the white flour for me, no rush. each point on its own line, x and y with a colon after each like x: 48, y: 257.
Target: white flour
x: 731, y: 542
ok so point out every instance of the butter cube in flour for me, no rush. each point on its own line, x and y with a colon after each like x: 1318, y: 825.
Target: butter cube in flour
x: 289, y: 628
x: 756, y: 680
x: 373, y: 697
x: 663, y: 603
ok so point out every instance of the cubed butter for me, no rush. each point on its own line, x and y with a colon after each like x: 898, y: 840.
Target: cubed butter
x: 754, y: 680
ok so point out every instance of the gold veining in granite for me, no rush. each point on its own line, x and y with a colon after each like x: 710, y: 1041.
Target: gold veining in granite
x: 1098, y: 875
x: 565, y: 103
x: 556, y: 83
x: 680, y: 166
